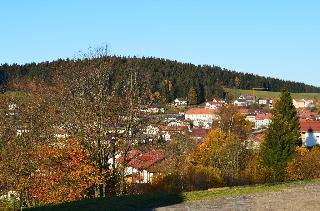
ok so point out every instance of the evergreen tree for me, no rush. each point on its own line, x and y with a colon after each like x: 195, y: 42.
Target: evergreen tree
x: 282, y: 136
x: 192, y: 96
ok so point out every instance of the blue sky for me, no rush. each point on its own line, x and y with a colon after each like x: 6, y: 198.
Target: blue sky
x: 278, y: 38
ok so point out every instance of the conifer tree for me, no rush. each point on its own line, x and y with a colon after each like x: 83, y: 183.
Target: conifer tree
x: 282, y: 136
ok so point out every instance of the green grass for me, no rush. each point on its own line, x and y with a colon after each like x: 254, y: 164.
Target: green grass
x: 267, y: 94
x: 158, y: 199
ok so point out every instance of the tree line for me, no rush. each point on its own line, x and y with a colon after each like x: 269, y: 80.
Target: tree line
x: 163, y: 79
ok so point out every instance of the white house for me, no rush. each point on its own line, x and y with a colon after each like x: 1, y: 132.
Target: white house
x: 262, y: 120
x: 265, y: 101
x: 203, y: 115
x: 302, y: 103
x: 298, y: 103
x: 240, y: 103
x: 180, y: 102
x: 151, y: 130
x: 214, y: 105
x: 178, y: 123
x: 251, y: 118
x: 310, y: 132
x: 250, y: 99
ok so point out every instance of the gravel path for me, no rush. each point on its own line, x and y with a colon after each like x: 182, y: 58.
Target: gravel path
x: 302, y: 197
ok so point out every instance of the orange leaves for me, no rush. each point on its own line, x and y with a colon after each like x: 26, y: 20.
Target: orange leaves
x: 64, y: 173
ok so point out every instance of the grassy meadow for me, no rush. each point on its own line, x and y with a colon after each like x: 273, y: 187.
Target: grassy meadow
x: 267, y: 94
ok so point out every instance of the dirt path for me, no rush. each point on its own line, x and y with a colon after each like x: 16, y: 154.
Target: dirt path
x: 302, y: 197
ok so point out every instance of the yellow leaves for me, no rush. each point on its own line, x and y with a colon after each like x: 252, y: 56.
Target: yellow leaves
x: 318, y: 105
x: 213, y: 144
x: 154, y: 96
x: 237, y: 82
x: 305, y: 164
x: 302, y: 151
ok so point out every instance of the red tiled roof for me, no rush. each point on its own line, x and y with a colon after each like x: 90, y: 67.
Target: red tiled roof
x: 131, y: 155
x: 200, y: 111
x: 243, y: 111
x: 310, y: 125
x: 306, y: 114
x: 146, y: 160
x: 263, y: 116
x: 199, y: 132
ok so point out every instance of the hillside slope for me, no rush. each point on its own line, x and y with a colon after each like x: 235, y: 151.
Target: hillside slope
x: 170, y: 79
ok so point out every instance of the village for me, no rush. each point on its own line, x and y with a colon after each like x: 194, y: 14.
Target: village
x: 196, y: 121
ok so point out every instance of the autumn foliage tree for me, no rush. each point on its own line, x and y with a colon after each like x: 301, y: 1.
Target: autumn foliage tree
x: 304, y: 165
x: 192, y: 96
x: 224, y: 152
x: 64, y: 173
x: 232, y: 122
x: 225, y: 149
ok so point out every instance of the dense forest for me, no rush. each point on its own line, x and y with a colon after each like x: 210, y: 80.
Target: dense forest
x: 164, y: 79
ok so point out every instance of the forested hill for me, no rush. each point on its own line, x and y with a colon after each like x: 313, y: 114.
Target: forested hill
x: 168, y: 78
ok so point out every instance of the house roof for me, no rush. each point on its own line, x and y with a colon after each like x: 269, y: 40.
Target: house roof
x: 249, y: 111
x: 299, y: 100
x: 306, y: 126
x: 218, y: 100
x: 146, y: 160
x: 199, y: 132
x: 306, y: 114
x: 200, y: 111
x: 263, y: 116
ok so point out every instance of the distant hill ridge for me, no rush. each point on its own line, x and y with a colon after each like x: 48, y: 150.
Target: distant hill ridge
x: 169, y: 78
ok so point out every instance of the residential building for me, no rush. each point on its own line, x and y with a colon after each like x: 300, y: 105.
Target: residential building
x: 262, y: 120
x: 201, y: 115
x: 180, y: 102
x: 199, y: 133
x: 168, y: 131
x: 302, y: 103
x: 265, y: 102
x: 310, y: 132
x: 214, y: 104
x: 139, y: 166
x: 241, y: 103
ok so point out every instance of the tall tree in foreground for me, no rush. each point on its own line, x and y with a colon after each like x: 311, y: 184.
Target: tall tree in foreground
x: 282, y: 136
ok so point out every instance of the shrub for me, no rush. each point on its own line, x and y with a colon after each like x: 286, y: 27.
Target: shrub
x: 202, y: 177
x: 255, y: 172
x: 192, y: 178
x: 305, y: 164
